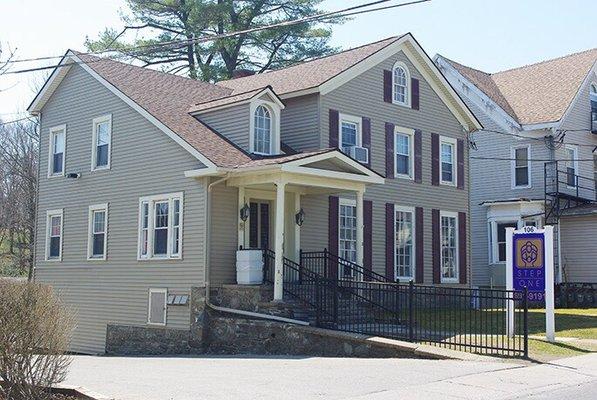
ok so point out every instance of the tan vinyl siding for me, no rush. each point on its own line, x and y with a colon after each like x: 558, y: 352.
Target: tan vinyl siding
x: 223, y: 234
x: 579, y: 254
x: 144, y: 162
x: 363, y: 97
x: 231, y: 122
x: 300, y: 123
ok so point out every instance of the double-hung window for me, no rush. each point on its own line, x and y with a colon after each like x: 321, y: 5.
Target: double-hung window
x: 449, y: 246
x: 571, y: 165
x: 57, y: 153
x: 521, y: 168
x: 499, y: 247
x: 347, y: 242
x: 404, y: 152
x: 160, y: 226
x: 54, y: 235
x: 350, y: 132
x: 97, y: 241
x: 448, y: 161
x: 404, y: 235
x: 102, y: 142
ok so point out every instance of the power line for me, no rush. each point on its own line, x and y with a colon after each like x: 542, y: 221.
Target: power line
x: 528, y: 159
x: 346, y: 12
x: 13, y: 121
x: 541, y: 139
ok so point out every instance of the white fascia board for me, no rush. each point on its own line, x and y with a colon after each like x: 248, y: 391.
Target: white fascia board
x: 333, y: 174
x: 204, y: 172
x: 479, y: 97
x: 50, y: 85
x: 299, y: 93
x: 183, y: 143
x: 335, y: 154
x: 539, y: 126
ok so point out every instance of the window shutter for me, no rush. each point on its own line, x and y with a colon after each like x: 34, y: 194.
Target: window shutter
x: 418, y: 156
x: 414, y: 90
x: 367, y: 137
x: 389, y: 150
x: 460, y: 163
x: 368, y: 233
x: 462, y: 247
x: 334, y: 128
x: 435, y: 159
x: 390, y: 241
x: 157, y: 307
x: 333, y: 233
x: 419, y: 250
x: 435, y: 245
x: 387, y: 86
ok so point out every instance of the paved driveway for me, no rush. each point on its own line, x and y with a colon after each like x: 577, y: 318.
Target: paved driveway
x: 329, y: 378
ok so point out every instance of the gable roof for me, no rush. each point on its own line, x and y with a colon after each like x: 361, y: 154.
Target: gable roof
x: 536, y: 93
x: 234, y: 99
x: 309, y: 74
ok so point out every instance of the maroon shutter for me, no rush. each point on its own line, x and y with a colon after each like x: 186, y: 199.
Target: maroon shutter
x: 462, y: 247
x: 435, y: 245
x: 435, y: 159
x: 460, y: 162
x: 414, y: 89
x: 419, y: 251
x: 334, y: 128
x: 387, y: 86
x: 333, y: 233
x: 367, y: 137
x: 389, y: 150
x: 368, y: 233
x: 390, y: 241
x: 418, y: 156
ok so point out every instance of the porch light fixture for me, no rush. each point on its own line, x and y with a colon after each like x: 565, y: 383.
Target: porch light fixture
x: 300, y: 217
x: 244, y: 212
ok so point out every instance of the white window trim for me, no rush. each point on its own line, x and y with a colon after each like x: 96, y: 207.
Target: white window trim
x: 492, y: 236
x: 574, y: 148
x: 151, y: 222
x: 157, y: 290
x: 454, y: 143
x: 408, y: 102
x: 398, y: 208
x: 456, y: 279
x: 51, y: 151
x: 92, y: 208
x: 513, y: 166
x: 398, y: 130
x: 49, y: 215
x: 358, y: 121
x: 274, y: 110
x: 96, y: 121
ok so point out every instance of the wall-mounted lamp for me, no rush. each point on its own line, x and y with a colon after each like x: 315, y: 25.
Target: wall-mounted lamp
x: 244, y: 212
x: 300, y: 217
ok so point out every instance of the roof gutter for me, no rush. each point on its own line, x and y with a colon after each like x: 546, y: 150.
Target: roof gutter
x: 207, y: 278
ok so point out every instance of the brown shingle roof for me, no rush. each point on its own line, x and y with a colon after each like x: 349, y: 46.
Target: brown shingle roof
x: 168, y: 97
x: 535, y: 93
x: 309, y: 74
x: 209, y: 104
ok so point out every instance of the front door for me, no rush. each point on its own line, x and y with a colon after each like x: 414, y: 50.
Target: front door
x: 259, y: 225
x: 347, y: 238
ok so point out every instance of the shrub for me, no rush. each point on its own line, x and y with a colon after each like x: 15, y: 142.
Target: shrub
x: 35, y: 330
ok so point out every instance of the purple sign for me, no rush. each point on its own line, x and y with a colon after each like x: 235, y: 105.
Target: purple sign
x: 529, y: 264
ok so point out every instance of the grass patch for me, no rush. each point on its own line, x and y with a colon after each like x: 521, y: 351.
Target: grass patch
x: 578, y: 323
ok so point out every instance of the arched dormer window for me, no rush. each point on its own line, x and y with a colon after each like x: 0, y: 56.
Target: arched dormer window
x: 262, y: 130
x: 593, y: 92
x: 401, y: 84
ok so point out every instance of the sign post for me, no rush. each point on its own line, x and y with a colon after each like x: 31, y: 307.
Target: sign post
x: 529, y: 264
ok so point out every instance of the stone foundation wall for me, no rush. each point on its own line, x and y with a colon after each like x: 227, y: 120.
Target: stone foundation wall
x: 145, y: 340
x: 244, y: 336
x: 241, y: 297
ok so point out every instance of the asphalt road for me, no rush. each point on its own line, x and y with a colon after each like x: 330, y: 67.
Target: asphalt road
x: 331, y: 378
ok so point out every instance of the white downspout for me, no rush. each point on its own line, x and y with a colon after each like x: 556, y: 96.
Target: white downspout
x: 207, y: 244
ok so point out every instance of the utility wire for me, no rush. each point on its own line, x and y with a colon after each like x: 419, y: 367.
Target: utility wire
x: 13, y: 121
x: 528, y: 159
x: 346, y: 12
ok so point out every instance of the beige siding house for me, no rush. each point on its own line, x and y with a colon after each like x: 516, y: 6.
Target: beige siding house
x: 151, y: 184
x: 535, y: 162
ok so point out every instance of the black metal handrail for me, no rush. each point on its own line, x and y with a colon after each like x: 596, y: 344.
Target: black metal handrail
x: 330, y: 265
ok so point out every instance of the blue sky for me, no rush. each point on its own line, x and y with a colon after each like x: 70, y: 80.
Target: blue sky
x: 489, y: 35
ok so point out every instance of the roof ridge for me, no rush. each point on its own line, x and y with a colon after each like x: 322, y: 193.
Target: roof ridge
x: 315, y: 59
x: 544, y: 61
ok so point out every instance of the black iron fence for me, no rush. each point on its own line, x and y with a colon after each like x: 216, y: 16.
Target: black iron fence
x: 457, y: 318
x: 329, y: 265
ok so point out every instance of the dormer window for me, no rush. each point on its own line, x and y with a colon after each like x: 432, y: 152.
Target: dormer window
x: 265, y: 126
x: 400, y: 84
x: 263, y: 130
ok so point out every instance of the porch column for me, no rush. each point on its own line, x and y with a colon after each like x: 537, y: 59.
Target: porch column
x: 279, y: 242
x: 360, y: 227
x: 297, y: 228
x: 241, y: 224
